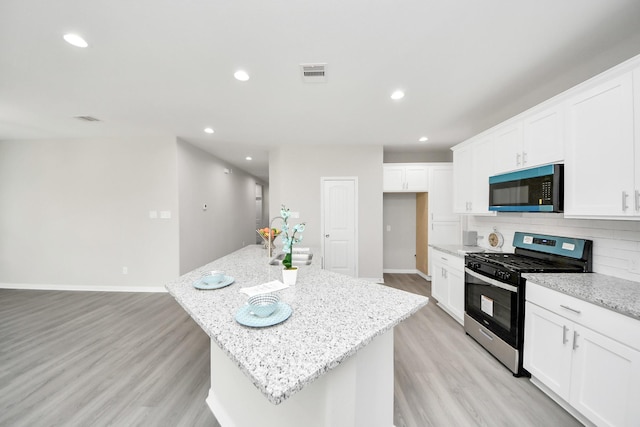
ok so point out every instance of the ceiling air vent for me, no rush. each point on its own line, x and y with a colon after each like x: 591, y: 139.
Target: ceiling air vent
x: 87, y: 118
x: 314, y: 73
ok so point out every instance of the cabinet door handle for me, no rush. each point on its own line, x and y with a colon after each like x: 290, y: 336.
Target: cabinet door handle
x: 517, y: 159
x: 564, y: 334
x: 624, y: 201
x: 575, y: 340
x: 524, y: 158
x: 637, y: 200
x: 570, y: 309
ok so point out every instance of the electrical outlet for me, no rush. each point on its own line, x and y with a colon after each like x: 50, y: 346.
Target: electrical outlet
x: 388, y: 228
x: 165, y: 214
x: 125, y: 270
x: 294, y: 214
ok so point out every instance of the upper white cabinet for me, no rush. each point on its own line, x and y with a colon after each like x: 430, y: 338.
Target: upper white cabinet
x: 593, y: 128
x: 601, y: 167
x: 507, y: 147
x: 543, y: 141
x: 472, y: 167
x: 531, y: 141
x: 405, y: 177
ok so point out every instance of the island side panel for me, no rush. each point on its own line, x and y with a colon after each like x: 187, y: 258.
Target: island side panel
x: 357, y: 393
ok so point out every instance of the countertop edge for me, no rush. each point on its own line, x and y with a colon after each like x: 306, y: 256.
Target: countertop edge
x: 618, y: 295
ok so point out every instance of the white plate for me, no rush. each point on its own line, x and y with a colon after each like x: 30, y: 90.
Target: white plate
x: 245, y: 317
x: 203, y: 285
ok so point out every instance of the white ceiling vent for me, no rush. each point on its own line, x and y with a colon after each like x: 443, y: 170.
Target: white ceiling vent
x: 87, y: 118
x: 314, y: 73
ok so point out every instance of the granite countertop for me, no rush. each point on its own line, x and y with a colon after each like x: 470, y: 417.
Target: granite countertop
x: 458, y: 250
x: 333, y: 317
x: 619, y: 295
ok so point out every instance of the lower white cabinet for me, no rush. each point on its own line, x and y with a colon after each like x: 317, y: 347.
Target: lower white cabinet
x: 584, y: 356
x: 447, y: 283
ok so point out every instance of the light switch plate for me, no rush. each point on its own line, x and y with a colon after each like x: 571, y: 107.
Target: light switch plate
x: 153, y: 214
x: 165, y: 214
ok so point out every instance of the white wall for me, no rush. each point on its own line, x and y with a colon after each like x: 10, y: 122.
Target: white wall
x: 73, y: 213
x: 418, y: 156
x: 228, y: 223
x: 399, y: 213
x: 616, y: 244
x: 294, y: 179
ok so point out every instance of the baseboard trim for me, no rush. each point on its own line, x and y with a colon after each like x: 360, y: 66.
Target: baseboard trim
x: 424, y: 276
x: 400, y: 271
x: 83, y: 288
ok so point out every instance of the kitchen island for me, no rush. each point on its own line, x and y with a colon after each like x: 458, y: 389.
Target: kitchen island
x: 329, y: 364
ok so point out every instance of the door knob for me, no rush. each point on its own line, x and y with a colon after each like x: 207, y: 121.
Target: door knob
x: 326, y: 235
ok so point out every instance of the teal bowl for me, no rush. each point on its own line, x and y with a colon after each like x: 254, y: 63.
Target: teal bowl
x: 263, y: 305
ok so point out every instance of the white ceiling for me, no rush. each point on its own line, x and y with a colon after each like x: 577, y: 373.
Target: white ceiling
x: 166, y: 67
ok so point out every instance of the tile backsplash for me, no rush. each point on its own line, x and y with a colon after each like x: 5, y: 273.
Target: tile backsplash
x: 616, y: 244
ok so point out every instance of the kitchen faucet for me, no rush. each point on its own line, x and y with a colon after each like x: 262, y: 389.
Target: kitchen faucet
x: 270, y: 234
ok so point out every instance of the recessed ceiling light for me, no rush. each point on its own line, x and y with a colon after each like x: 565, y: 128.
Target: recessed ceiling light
x: 423, y: 139
x: 75, y: 40
x: 241, y: 75
x: 209, y: 130
x: 398, y: 94
x: 248, y: 158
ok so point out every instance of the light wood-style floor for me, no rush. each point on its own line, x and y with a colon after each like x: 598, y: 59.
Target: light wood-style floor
x: 137, y: 359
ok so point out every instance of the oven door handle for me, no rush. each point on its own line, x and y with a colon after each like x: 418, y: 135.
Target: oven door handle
x: 490, y: 281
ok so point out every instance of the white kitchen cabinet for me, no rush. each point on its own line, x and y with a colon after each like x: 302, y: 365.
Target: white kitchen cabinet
x: 534, y: 140
x: 600, y: 164
x: 543, y: 141
x: 507, y: 147
x: 444, y: 225
x: 405, y: 177
x: 447, y: 283
x: 547, y: 350
x: 472, y: 167
x: 584, y: 356
x: 438, y: 279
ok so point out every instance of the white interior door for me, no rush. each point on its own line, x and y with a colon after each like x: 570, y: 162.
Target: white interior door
x: 339, y: 225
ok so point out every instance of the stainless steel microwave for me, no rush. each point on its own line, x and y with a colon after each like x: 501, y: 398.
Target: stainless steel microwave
x: 538, y: 189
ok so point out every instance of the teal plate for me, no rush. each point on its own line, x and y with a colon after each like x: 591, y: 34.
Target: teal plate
x: 245, y: 317
x: 201, y: 283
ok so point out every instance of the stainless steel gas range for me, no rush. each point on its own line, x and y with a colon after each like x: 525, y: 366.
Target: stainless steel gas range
x: 495, y: 289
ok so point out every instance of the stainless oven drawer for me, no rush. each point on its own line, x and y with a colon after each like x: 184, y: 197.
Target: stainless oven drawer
x: 502, y: 351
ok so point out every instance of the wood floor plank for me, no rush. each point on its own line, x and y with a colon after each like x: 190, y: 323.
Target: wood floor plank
x: 137, y: 359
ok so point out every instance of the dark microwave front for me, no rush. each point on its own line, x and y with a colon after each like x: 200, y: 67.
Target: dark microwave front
x: 539, y: 189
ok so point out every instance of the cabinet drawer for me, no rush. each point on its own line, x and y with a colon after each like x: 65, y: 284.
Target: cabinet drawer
x: 449, y: 261
x: 609, y: 323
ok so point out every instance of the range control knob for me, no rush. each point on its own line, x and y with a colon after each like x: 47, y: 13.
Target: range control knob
x: 504, y: 275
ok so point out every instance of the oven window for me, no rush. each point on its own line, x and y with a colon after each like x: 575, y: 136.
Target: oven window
x: 494, y: 307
